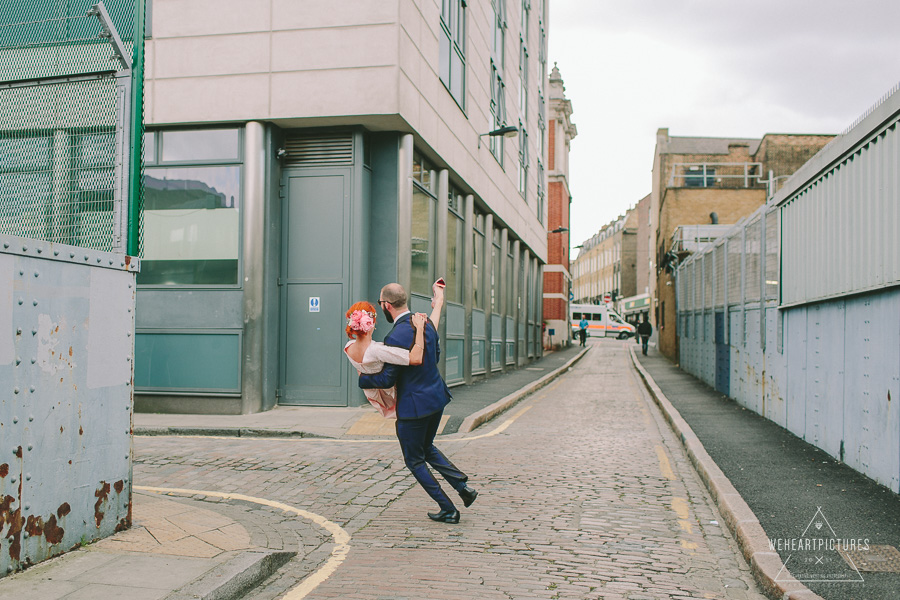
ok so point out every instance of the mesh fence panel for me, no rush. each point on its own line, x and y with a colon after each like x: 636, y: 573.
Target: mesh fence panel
x: 752, y: 274
x: 698, y: 282
x: 735, y: 250
x: 719, y: 267
x: 772, y: 255
x: 707, y: 281
x: 64, y: 146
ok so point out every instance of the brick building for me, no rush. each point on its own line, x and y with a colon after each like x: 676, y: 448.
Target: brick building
x: 607, y: 262
x: 557, y: 277
x: 699, y: 181
x: 634, y: 307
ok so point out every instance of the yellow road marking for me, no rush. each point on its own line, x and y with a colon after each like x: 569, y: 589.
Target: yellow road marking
x: 680, y: 506
x: 664, y: 467
x: 341, y: 538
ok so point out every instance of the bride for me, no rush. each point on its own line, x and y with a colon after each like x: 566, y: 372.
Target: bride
x: 369, y: 356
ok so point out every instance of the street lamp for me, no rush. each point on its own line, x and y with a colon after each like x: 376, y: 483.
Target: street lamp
x: 506, y: 131
x: 559, y: 230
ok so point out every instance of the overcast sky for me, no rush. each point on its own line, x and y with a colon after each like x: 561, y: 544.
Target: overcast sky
x: 716, y: 68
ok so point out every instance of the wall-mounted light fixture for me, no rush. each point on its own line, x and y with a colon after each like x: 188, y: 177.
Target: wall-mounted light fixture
x: 559, y: 230
x: 507, y: 131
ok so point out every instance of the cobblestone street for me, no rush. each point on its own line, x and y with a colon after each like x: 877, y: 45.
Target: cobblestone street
x: 584, y: 493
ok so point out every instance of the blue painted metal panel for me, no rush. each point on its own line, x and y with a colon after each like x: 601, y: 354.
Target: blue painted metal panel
x: 776, y: 374
x: 478, y: 324
x: 66, y: 355
x: 723, y: 355
x: 795, y: 348
x: 195, y: 361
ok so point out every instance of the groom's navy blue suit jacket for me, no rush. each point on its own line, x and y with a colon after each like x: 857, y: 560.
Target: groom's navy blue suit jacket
x: 421, y: 390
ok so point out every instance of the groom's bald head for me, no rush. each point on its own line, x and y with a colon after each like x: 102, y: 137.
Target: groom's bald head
x: 395, y: 295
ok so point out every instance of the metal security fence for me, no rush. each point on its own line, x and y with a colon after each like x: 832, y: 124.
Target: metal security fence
x: 70, y: 122
x: 793, y: 312
x: 70, y: 166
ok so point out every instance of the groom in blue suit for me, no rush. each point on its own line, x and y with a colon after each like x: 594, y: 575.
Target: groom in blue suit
x: 421, y: 398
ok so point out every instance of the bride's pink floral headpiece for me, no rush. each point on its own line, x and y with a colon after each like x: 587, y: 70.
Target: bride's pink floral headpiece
x: 361, y: 320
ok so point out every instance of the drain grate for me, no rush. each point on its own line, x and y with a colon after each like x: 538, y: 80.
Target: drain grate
x: 877, y: 559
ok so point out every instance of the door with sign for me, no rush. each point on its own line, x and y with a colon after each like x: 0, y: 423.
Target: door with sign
x: 314, y: 280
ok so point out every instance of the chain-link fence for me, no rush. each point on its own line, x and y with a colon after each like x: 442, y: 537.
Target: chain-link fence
x: 70, y: 121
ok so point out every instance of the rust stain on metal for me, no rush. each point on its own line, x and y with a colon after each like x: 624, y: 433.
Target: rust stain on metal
x: 4, y: 470
x: 119, y: 486
x: 63, y: 510
x: 35, y: 527
x: 60, y: 428
x: 70, y: 350
x: 12, y: 518
x: 18, y: 452
x: 126, y: 522
x: 80, y: 430
x: 101, y: 494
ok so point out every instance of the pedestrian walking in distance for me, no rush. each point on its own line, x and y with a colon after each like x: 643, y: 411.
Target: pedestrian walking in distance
x: 582, y: 330
x: 645, y: 330
x: 422, y: 395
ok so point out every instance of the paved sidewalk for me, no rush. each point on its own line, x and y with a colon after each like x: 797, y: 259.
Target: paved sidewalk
x: 790, y: 485
x: 176, y: 548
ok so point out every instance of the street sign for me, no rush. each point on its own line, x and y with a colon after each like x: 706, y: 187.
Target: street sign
x: 607, y: 298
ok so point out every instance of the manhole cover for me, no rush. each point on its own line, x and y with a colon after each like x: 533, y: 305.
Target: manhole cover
x: 877, y: 559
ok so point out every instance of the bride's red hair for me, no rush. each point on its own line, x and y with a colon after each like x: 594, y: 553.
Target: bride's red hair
x: 364, y: 306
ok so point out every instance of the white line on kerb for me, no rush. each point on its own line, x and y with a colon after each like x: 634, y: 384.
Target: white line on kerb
x: 341, y: 538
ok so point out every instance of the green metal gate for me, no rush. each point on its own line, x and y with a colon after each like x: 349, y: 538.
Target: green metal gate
x: 71, y: 112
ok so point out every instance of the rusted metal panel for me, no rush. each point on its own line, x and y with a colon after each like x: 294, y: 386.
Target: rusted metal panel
x: 66, y: 352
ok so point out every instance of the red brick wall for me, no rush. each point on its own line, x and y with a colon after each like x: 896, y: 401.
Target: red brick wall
x: 554, y: 309
x: 557, y: 216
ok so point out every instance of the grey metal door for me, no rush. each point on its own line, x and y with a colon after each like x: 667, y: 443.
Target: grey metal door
x: 314, y: 284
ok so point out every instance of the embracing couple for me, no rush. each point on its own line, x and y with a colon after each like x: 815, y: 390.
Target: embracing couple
x: 401, y: 380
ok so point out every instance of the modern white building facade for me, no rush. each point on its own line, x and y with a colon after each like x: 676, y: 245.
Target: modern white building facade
x: 299, y: 155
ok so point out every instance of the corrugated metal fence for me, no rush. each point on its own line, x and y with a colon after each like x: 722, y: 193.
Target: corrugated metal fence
x: 795, y: 312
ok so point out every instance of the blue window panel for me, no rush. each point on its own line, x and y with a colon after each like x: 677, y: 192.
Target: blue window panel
x: 478, y: 356
x: 454, y: 366
x: 187, y: 362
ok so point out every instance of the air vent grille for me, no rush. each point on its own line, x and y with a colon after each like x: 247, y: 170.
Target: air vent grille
x: 307, y: 151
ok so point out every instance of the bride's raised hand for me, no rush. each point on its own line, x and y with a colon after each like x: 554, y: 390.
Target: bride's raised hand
x: 418, y: 320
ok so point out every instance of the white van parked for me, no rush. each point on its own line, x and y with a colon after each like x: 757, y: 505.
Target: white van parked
x: 602, y: 321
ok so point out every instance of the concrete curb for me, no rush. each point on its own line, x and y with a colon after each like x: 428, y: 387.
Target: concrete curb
x: 248, y: 432
x: 766, y: 565
x: 234, y: 578
x: 487, y: 413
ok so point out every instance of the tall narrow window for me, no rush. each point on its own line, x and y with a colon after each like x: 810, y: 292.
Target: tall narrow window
x: 523, y: 159
x: 478, y: 261
x: 423, y: 219
x: 498, y: 111
x: 455, y: 246
x: 496, y: 284
x: 498, y: 94
x: 453, y: 44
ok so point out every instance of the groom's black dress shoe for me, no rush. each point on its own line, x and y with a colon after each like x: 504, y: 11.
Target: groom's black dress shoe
x: 445, y: 516
x: 468, y: 496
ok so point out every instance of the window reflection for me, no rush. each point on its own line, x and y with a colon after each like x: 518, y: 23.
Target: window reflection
x: 422, y: 226
x: 200, y: 145
x: 191, y: 226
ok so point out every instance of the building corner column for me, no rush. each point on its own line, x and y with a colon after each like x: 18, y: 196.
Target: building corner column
x: 253, y: 267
